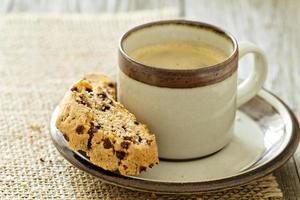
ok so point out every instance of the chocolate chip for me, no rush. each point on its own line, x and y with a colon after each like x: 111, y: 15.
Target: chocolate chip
x: 91, y: 135
x: 89, y: 143
x: 149, y: 142
x: 83, y: 102
x: 142, y: 168
x: 151, y: 165
x: 127, y: 138
x: 92, y: 130
x: 79, y: 129
x: 136, y: 123
x: 80, y: 102
x: 120, y: 154
x: 88, y: 104
x: 140, y: 138
x: 107, y: 143
x: 123, y: 127
x: 74, y: 89
x: 66, y: 137
x: 116, y: 171
x: 111, y: 85
x: 93, y: 124
x: 98, y: 126
x: 125, y: 144
x: 42, y: 160
x: 125, y: 167
x: 102, y: 95
x: 83, y: 153
x: 88, y: 89
x: 105, y: 108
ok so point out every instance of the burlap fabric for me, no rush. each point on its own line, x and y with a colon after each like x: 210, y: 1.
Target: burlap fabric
x: 40, y: 56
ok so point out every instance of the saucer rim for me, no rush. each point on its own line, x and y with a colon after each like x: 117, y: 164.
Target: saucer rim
x: 187, y: 187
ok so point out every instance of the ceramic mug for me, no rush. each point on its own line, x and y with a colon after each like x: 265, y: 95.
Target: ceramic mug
x: 191, y: 111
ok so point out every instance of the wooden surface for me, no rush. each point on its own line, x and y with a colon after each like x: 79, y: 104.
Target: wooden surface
x: 272, y: 24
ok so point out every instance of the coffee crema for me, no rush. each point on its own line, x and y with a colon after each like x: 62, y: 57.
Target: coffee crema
x: 179, y: 55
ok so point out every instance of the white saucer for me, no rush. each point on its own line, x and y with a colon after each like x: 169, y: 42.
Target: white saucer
x: 266, y: 135
x: 233, y: 159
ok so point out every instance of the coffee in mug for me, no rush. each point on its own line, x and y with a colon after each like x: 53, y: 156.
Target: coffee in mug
x: 179, y: 55
x: 180, y: 78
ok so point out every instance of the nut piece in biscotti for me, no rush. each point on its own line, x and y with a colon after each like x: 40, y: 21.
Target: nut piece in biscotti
x: 93, y: 122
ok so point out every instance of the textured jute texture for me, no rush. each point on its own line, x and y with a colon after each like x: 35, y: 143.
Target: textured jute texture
x: 40, y: 56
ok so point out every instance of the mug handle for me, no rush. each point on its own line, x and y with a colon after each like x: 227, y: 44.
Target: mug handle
x: 249, y: 87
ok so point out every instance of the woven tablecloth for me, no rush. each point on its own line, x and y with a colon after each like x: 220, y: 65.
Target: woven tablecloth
x: 40, y: 56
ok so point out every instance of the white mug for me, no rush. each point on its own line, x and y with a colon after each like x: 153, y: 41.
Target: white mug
x: 191, y: 111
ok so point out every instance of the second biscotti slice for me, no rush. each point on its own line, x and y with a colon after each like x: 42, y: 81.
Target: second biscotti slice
x: 93, y: 122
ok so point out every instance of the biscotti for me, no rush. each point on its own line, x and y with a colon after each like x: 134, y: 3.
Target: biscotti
x: 92, y: 121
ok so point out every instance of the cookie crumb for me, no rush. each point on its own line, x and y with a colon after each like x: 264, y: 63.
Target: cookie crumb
x: 237, y: 118
x: 35, y: 127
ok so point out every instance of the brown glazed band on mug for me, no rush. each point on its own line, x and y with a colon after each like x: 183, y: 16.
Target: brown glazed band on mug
x: 179, y: 78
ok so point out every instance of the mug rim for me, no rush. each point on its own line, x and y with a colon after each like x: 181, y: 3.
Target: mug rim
x: 178, y: 78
